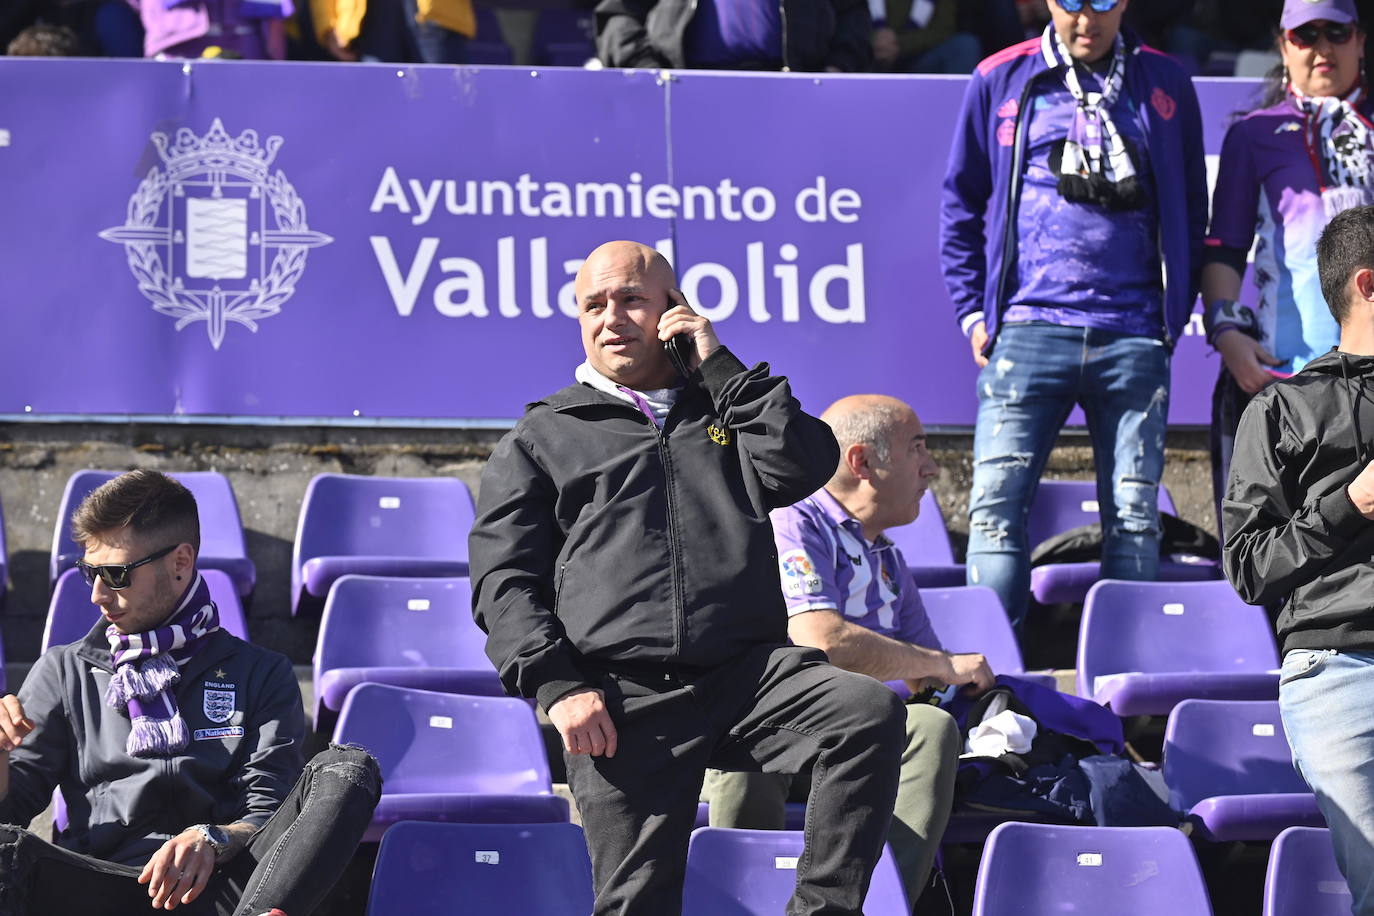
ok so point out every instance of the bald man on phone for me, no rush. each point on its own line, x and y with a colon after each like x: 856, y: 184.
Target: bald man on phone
x: 623, y: 567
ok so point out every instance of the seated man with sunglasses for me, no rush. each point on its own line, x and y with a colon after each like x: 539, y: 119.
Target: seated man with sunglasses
x: 175, y: 744
x: 1072, y: 220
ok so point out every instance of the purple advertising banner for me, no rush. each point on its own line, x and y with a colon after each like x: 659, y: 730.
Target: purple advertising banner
x: 309, y: 242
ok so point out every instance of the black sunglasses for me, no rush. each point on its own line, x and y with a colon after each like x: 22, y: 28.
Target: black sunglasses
x: 116, y: 575
x: 1307, y: 34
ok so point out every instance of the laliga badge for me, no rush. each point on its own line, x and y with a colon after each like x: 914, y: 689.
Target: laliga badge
x: 798, y: 574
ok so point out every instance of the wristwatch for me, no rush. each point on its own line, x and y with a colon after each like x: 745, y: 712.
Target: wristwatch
x: 215, y: 836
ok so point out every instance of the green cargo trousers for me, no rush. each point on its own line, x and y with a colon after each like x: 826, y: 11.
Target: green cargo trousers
x: 925, y: 792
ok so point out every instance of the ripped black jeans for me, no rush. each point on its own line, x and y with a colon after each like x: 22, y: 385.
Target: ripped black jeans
x: 290, y: 863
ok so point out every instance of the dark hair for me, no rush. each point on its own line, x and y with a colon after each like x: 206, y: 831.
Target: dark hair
x: 43, y: 40
x: 1346, y: 245
x: 151, y: 504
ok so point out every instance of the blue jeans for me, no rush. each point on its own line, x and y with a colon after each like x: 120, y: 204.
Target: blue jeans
x: 1036, y: 374
x: 1324, y: 697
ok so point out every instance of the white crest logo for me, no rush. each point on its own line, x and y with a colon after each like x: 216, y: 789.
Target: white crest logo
x: 219, y: 705
x: 212, y: 236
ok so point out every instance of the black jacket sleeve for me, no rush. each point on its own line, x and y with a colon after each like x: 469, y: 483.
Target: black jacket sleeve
x: 275, y: 733
x: 851, y: 46
x: 622, y: 34
x: 793, y: 452
x: 511, y: 554
x: 1274, y: 543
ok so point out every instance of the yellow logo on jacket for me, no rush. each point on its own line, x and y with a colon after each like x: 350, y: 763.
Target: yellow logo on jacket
x: 719, y: 435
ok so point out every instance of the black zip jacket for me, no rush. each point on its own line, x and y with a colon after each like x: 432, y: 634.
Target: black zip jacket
x: 604, y: 543
x: 816, y: 33
x: 1292, y: 533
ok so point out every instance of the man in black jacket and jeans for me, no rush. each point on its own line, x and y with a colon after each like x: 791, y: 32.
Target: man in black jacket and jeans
x: 1298, y: 512
x: 623, y: 566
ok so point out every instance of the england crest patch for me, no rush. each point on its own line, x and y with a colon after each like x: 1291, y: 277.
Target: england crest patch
x: 798, y: 574
x: 219, y: 705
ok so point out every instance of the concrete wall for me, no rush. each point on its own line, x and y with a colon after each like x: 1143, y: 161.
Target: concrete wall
x: 270, y: 467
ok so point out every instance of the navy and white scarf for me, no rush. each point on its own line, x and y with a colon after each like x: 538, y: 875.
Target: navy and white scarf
x: 1341, y: 144
x: 1094, y: 164
x: 146, y: 667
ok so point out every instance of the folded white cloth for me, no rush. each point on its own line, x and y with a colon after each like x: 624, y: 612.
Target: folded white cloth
x: 1001, y: 733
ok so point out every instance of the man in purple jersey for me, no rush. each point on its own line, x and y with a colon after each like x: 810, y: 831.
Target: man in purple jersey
x: 849, y: 593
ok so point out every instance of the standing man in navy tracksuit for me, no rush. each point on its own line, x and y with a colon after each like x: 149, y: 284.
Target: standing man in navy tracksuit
x: 623, y: 566
x: 1071, y: 230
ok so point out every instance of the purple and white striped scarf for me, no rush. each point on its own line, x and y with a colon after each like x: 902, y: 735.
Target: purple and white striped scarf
x: 146, y: 667
x: 1094, y: 164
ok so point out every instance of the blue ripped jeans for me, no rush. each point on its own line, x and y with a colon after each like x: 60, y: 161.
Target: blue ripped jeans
x: 1036, y: 374
x: 1324, y: 700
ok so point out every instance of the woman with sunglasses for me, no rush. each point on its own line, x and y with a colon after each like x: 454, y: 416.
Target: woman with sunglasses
x: 1305, y: 155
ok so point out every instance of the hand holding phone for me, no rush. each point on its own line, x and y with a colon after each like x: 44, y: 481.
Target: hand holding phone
x: 690, y: 336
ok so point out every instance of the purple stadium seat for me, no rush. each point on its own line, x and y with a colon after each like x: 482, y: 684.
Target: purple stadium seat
x: 1124, y: 871
x: 489, y: 46
x: 1228, y: 766
x: 1144, y: 646
x: 426, y: 869
x: 71, y: 614
x: 925, y: 547
x: 970, y: 618
x: 221, y: 529
x: 753, y: 873
x: 377, y: 526
x: 1060, y: 505
x: 1303, y: 879
x: 794, y: 815
x: 449, y: 757
x: 564, y: 37
x: 403, y: 632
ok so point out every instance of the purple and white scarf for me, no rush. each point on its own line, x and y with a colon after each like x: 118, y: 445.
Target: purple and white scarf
x: 1094, y: 164
x: 1341, y: 143
x: 146, y: 666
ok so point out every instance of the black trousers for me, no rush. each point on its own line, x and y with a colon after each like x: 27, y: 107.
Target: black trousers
x: 290, y: 863
x: 1228, y: 403
x: 775, y: 709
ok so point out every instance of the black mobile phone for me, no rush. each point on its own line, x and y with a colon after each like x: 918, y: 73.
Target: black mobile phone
x: 679, y: 349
